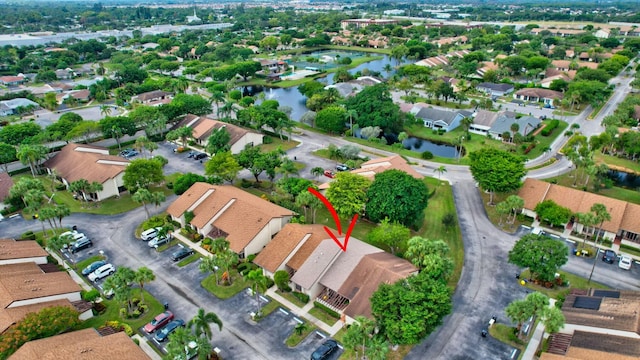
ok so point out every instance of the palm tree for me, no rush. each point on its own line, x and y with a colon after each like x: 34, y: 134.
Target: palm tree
x: 142, y: 276
x: 352, y: 114
x: 317, y: 171
x: 258, y: 284
x: 440, y: 170
x: 157, y: 198
x: 143, y: 196
x: 287, y: 168
x: 31, y: 155
x: 105, y: 110
x: 466, y: 123
x: 218, y: 98
x: 182, y: 84
x: 601, y: 215
x: 201, y: 323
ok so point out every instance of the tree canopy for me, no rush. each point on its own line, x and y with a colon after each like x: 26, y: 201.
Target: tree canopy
x: 553, y: 213
x: 141, y: 173
x: 375, y: 107
x: 398, y: 196
x: 496, y: 170
x: 348, y: 193
x: 542, y: 255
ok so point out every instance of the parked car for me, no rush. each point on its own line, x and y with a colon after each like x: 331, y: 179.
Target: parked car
x: 182, y: 253
x: 325, y: 350
x: 127, y: 153
x: 102, y: 272
x: 199, y: 156
x: 150, y: 233
x: 609, y: 256
x: 164, y: 333
x: 179, y: 149
x: 158, y: 322
x: 93, y: 267
x: 191, y: 154
x: 160, y: 240
x: 342, y: 167
x: 330, y: 174
x: 81, y: 244
x: 625, y: 262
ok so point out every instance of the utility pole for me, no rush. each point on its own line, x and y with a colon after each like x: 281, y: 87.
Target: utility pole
x: 595, y: 260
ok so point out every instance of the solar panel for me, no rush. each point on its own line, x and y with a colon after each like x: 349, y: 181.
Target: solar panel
x: 587, y: 302
x: 607, y: 293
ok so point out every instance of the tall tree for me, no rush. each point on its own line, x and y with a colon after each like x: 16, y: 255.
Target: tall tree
x: 542, y: 255
x: 142, y: 276
x: 31, y: 155
x: 258, y: 285
x: 394, y: 235
x: 440, y: 170
x: 496, y: 170
x: 396, y: 195
x: 431, y: 256
x: 348, y: 193
x: 7, y: 155
x: 223, y: 165
x: 515, y: 203
x: 308, y: 201
x: 218, y: 141
x: 601, y: 215
x: 201, y: 323
x: 142, y: 173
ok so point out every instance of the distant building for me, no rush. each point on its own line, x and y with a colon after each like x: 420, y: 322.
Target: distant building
x: 12, y: 80
x: 495, y: 89
x: 441, y: 119
x: 362, y: 23
x: 538, y: 95
x: 194, y: 17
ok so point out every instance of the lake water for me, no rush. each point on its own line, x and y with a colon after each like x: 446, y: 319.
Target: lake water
x: 293, y: 98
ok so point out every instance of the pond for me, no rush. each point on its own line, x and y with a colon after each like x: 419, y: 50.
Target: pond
x: 422, y: 145
x: 625, y: 180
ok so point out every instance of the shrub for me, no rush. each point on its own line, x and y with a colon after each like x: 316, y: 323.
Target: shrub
x: 552, y: 125
x: 207, y: 241
x: 267, y: 139
x: 90, y: 295
x: 326, y: 309
x: 99, y: 308
x: 281, y: 278
x: 301, y: 296
x: 60, y: 187
x: 135, y: 314
x: 251, y: 257
x: 427, y: 155
x: 29, y: 235
x: 244, y: 183
x: 529, y: 148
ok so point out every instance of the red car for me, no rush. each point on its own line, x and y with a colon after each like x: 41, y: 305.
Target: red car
x: 329, y: 174
x: 158, y: 322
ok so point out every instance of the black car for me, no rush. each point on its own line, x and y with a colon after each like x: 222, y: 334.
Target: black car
x: 609, y: 256
x: 181, y: 254
x: 199, y: 156
x: 325, y: 350
x: 164, y: 333
x: 191, y: 154
x: 127, y: 153
x: 81, y: 244
x: 342, y: 167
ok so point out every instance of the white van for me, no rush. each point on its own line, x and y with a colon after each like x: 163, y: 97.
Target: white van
x: 150, y: 233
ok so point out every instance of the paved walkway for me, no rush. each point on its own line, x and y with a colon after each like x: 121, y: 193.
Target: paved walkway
x: 536, y: 339
x: 298, y: 311
x: 144, y: 345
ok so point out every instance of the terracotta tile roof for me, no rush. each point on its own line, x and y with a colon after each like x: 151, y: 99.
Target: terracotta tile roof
x: 5, y: 184
x: 84, y: 344
x: 623, y: 214
x: 151, y: 95
x: 19, y: 269
x: 26, y: 286
x: 630, y: 219
x: 12, y: 315
x: 188, y: 198
x: 391, y: 162
x: 93, y: 163
x: 12, y: 249
x: 203, y: 127
x: 284, y: 245
x: 373, y: 270
x: 583, y: 342
x: 243, y: 214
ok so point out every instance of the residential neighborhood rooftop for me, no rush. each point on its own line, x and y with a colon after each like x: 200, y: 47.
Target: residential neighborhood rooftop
x: 12, y: 249
x: 89, y: 162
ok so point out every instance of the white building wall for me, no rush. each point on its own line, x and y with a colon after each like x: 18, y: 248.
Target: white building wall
x: 74, y: 296
x: 38, y: 260
x: 248, y: 138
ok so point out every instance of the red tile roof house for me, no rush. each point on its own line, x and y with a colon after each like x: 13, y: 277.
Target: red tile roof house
x: 12, y: 80
x: 245, y: 220
x: 624, y: 224
x: 92, y: 163
x: 203, y: 127
x: 341, y: 280
x: 23, y: 251
x: 85, y: 344
x: 5, y: 185
x: 370, y: 168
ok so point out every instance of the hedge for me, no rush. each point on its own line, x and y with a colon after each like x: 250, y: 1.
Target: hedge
x: 326, y: 309
x: 552, y: 125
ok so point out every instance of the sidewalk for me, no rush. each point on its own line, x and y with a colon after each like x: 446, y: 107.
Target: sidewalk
x: 304, y: 312
x: 144, y: 345
x: 536, y: 338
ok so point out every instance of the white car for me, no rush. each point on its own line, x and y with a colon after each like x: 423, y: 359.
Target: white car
x: 625, y: 262
x: 102, y: 272
x: 160, y: 240
x: 150, y: 233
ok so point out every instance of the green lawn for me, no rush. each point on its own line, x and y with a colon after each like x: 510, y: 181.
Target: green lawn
x: 171, y: 243
x: 323, y: 316
x: 111, y: 206
x: 113, y: 308
x: 269, y: 308
x: 360, y: 230
x: 225, y: 292
x: 292, y: 299
x: 617, y: 163
x: 294, y: 339
x: 439, y: 204
x: 505, y: 334
x: 575, y: 282
x: 276, y: 142
x: 189, y: 259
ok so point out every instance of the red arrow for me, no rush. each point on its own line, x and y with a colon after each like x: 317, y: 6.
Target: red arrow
x: 336, y: 219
